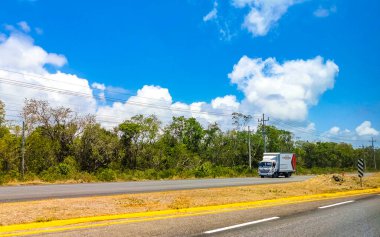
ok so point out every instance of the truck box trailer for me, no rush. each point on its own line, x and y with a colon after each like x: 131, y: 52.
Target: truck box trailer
x: 277, y: 164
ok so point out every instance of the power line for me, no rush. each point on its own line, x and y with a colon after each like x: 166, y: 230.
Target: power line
x: 67, y: 92
x: 290, y: 125
x: 313, y: 132
x: 87, y: 87
x: 263, y: 120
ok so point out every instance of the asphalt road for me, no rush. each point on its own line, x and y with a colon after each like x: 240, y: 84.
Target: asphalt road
x: 359, y: 216
x: 351, y: 219
x: 35, y: 192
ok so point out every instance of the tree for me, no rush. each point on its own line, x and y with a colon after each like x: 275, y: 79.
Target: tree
x: 240, y: 120
x: 9, y: 152
x: 3, y: 129
x: 60, y: 124
x: 39, y: 155
x: 130, y: 132
x: 97, y: 148
x: 193, y: 134
x: 278, y: 140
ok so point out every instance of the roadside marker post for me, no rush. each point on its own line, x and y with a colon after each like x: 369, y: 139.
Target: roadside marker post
x: 361, y: 170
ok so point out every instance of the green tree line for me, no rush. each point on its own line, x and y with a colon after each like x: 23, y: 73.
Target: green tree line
x: 61, y: 145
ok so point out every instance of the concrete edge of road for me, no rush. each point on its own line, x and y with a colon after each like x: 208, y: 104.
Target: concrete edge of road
x: 41, y: 227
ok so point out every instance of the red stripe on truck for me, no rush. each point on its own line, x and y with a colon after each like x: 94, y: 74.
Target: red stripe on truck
x: 294, y: 162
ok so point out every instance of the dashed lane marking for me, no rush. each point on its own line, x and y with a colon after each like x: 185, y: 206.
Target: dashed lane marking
x: 336, y: 204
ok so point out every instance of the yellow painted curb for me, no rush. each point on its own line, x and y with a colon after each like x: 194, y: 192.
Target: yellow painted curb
x: 40, y: 227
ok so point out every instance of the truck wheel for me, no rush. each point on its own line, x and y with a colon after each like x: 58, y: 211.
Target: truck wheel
x: 286, y: 175
x: 262, y: 176
x: 290, y: 174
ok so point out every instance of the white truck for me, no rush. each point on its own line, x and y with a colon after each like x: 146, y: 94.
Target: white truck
x: 277, y: 164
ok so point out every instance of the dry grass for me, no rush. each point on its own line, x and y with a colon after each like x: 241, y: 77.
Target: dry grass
x: 55, y: 209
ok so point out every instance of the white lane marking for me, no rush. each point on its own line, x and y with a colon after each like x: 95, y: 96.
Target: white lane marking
x: 336, y: 204
x: 240, y: 225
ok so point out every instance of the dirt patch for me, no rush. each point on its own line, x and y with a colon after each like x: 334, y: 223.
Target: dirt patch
x: 57, y: 209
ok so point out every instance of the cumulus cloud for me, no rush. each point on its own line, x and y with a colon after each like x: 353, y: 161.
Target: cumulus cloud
x: 365, y: 129
x: 213, y: 14
x: 336, y: 134
x: 226, y: 102
x: 263, y: 14
x: 24, y: 75
x: 19, y: 52
x: 285, y: 91
x: 156, y: 100
x: 324, y: 12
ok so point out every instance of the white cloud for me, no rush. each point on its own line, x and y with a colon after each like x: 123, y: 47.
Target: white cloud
x: 19, y: 54
x: 226, y: 102
x: 24, y: 66
x: 263, y: 14
x: 24, y: 26
x: 324, y: 12
x: 158, y: 101
x: 365, y: 129
x: 336, y: 134
x: 99, y: 86
x: 213, y: 14
x: 334, y: 130
x: 285, y: 91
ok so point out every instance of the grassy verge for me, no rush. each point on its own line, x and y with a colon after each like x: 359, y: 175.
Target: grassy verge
x: 58, y: 209
x: 57, y: 176
x: 109, y: 175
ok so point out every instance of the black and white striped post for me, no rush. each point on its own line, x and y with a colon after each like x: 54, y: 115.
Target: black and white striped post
x: 361, y: 170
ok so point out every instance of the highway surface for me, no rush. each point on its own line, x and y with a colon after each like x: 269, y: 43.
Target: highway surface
x: 35, y: 192
x: 351, y: 216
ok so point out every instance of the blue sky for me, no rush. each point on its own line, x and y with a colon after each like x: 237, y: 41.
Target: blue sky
x: 130, y: 44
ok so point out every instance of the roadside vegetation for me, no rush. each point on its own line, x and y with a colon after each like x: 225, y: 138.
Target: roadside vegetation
x: 61, y: 146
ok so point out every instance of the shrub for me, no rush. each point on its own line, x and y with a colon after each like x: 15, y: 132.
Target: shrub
x: 51, y: 174
x: 84, y: 177
x: 63, y: 169
x: 165, y: 174
x: 107, y: 175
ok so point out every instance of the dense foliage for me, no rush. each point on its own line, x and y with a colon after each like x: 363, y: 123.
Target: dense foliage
x: 61, y: 145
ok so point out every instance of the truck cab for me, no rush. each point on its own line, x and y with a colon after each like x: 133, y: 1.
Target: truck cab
x: 267, y: 168
x: 277, y: 164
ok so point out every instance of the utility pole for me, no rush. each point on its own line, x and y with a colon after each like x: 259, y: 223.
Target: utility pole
x: 249, y: 148
x: 23, y: 151
x: 263, y: 120
x: 364, y: 157
x: 373, y: 152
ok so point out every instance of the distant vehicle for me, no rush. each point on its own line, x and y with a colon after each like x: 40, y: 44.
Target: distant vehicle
x: 277, y: 164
